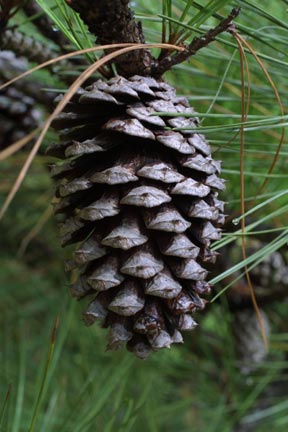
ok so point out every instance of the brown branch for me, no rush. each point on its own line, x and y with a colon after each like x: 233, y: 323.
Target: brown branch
x: 198, y: 42
x: 112, y: 21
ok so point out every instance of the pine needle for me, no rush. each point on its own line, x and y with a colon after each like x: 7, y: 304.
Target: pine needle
x: 274, y: 87
x: 34, y: 231
x: 4, y: 406
x: 44, y: 379
x: 13, y: 148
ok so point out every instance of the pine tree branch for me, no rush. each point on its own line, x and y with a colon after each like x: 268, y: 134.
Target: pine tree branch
x: 197, y: 43
x: 112, y: 21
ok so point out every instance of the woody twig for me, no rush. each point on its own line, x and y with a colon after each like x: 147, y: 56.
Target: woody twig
x: 197, y: 43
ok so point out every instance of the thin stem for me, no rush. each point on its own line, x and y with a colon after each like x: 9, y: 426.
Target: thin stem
x: 242, y: 189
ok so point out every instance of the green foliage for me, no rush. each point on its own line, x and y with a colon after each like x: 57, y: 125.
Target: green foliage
x: 69, y: 23
x: 196, y: 387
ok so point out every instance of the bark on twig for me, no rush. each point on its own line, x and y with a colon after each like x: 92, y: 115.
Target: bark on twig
x: 197, y: 43
x: 112, y: 21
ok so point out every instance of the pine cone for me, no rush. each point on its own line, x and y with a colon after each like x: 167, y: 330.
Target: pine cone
x: 269, y: 278
x: 249, y: 345
x: 18, y: 116
x: 142, y: 200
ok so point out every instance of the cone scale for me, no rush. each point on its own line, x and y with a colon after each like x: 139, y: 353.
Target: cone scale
x: 138, y: 195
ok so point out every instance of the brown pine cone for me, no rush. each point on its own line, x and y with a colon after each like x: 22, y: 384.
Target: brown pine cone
x: 140, y: 197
